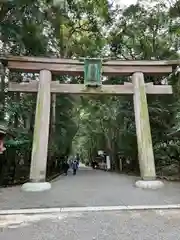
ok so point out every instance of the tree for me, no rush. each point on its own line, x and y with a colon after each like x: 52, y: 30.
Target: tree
x: 140, y: 32
x: 92, y: 29
x: 39, y: 28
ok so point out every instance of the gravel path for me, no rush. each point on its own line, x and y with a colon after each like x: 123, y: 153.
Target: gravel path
x: 131, y: 225
x: 90, y: 188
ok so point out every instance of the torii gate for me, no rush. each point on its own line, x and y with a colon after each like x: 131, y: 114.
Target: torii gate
x: 44, y: 87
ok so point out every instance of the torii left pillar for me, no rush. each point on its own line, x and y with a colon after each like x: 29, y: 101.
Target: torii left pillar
x: 41, y: 135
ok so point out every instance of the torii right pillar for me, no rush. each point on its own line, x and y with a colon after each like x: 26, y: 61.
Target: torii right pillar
x: 144, y: 139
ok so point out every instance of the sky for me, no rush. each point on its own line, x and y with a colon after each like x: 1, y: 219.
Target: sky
x: 125, y: 2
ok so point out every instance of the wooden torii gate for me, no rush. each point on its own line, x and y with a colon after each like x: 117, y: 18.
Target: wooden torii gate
x: 44, y: 87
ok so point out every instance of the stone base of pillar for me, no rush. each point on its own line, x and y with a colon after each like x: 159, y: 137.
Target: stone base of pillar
x: 36, y: 186
x: 153, y: 184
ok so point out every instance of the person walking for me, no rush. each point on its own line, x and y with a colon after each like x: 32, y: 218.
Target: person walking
x: 65, y: 168
x: 74, y: 166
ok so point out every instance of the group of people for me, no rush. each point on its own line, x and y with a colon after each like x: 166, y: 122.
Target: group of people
x: 73, y: 163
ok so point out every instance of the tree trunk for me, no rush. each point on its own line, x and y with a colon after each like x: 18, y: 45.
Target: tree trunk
x: 2, y: 93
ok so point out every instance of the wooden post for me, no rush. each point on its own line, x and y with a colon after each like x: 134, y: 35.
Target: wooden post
x: 144, y: 141
x: 41, y: 135
x: 53, y: 113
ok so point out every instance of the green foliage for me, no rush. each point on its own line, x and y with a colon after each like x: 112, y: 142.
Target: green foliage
x: 39, y: 28
x: 88, y: 29
x: 108, y: 123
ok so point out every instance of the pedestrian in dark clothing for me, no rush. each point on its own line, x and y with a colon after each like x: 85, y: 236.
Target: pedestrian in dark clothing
x: 65, y: 168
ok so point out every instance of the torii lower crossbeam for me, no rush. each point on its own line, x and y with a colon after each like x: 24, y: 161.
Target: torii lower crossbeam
x: 80, y: 89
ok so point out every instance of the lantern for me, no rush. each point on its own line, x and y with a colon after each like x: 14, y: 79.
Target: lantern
x: 92, y: 72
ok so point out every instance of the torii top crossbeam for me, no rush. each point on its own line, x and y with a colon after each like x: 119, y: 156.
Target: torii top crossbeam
x: 75, y: 67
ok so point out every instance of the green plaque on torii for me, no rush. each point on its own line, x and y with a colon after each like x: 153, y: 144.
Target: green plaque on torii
x: 92, y: 72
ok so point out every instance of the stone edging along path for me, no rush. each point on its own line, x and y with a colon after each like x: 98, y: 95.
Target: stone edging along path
x: 89, y: 209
